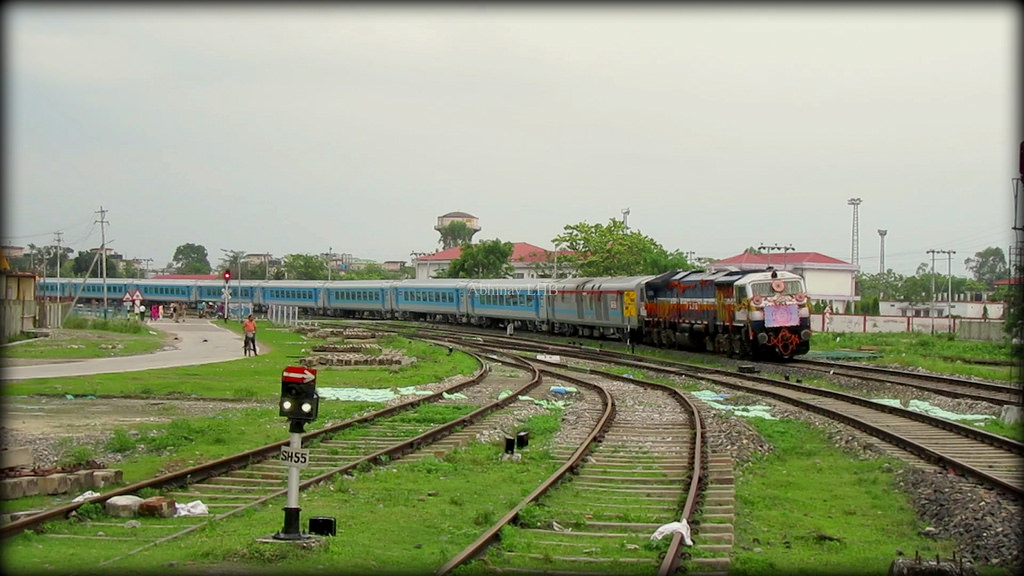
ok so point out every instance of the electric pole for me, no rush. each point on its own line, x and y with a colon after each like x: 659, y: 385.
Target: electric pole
x: 949, y: 274
x: 58, y: 240
x: 932, y: 252
x: 103, y: 248
x: 777, y: 248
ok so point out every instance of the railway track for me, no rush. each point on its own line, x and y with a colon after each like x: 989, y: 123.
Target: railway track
x: 986, y: 391
x: 240, y: 481
x: 988, y: 458
x: 639, y: 470
x: 994, y: 392
x: 233, y: 485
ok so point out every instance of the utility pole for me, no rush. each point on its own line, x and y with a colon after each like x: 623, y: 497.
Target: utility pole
x: 854, y: 256
x: 103, y: 248
x: 932, y: 252
x: 329, y: 250
x: 776, y: 247
x: 148, y: 261
x: 58, y: 239
x: 949, y: 274
x: 881, y: 256
x: 625, y: 213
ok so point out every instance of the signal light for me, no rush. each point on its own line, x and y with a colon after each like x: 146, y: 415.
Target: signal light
x: 299, y: 401
x: 227, y: 275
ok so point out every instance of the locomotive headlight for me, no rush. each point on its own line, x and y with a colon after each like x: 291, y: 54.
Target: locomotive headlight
x: 307, y: 407
x: 286, y: 405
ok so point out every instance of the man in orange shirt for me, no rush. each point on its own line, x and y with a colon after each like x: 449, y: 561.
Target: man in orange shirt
x: 249, y: 327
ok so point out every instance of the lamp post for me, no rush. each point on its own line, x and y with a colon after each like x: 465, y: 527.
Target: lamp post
x: 854, y: 256
x: 881, y: 255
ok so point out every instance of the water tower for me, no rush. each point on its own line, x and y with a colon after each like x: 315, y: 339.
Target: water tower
x: 448, y: 241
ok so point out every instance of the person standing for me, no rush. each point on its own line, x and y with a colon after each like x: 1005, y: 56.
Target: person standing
x: 249, y: 327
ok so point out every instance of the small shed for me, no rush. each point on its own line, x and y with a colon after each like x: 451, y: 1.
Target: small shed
x: 18, y: 306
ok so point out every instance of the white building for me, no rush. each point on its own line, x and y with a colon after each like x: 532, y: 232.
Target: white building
x: 827, y: 278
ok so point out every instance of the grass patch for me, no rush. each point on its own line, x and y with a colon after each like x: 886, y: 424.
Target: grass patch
x: 809, y: 508
x: 118, y: 339
x: 256, y: 377
x: 424, y: 511
x: 927, y: 351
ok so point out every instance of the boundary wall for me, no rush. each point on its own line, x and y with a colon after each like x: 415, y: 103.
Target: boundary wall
x: 986, y: 330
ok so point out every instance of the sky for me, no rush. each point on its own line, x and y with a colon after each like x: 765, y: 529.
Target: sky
x: 352, y: 128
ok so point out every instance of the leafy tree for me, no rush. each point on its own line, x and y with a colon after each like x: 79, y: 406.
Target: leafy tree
x: 488, y: 259
x: 129, y: 270
x: 233, y: 261
x: 614, y: 250
x: 372, y: 271
x: 191, y: 259
x: 456, y: 233
x: 988, y: 266
x: 305, y: 267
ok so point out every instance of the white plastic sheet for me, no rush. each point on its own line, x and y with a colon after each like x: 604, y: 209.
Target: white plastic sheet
x: 671, y: 528
x: 193, y: 508
x: 752, y: 411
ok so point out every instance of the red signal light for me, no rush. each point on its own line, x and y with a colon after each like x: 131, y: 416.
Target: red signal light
x: 227, y: 275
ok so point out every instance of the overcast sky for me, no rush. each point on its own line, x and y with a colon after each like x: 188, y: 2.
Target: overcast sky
x: 294, y: 130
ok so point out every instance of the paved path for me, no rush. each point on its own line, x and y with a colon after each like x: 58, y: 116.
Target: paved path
x: 196, y: 341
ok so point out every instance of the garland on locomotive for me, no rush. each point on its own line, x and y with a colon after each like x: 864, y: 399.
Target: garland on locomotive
x: 738, y: 313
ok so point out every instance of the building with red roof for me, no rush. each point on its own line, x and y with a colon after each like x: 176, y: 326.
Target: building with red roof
x: 527, y: 261
x: 827, y: 278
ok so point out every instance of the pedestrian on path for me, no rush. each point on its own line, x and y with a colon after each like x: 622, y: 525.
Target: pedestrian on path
x: 249, y: 327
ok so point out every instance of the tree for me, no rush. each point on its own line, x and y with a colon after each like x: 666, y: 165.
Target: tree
x: 614, y: 250
x: 488, y: 259
x: 371, y: 271
x: 456, y: 233
x: 233, y: 261
x: 305, y: 267
x: 191, y: 259
x: 988, y: 266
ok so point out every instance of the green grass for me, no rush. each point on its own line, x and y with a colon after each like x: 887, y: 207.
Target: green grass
x: 409, y: 517
x: 256, y: 377
x: 790, y: 503
x: 924, y: 350
x: 90, y: 342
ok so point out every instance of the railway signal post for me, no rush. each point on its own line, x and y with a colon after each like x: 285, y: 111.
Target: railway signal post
x: 300, y: 404
x: 226, y: 294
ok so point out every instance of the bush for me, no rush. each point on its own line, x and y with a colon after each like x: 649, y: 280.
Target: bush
x: 120, y: 442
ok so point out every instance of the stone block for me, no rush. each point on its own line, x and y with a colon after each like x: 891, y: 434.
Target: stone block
x: 31, y: 484
x: 159, y: 506
x: 11, y: 489
x: 123, y: 506
x: 87, y: 478
x: 104, y: 478
x: 54, y: 484
x: 15, y: 457
x: 1011, y: 414
x: 75, y: 483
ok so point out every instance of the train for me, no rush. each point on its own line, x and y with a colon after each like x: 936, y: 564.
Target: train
x: 740, y: 313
